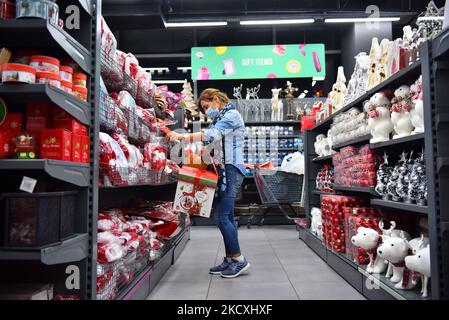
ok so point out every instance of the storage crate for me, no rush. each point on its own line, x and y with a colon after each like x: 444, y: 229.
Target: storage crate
x: 38, y: 219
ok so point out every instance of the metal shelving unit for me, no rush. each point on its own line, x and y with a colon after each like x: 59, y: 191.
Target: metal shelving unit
x: 354, y: 142
x: 433, y: 66
x: 22, y: 93
x: 83, y: 47
x: 324, y: 159
x: 399, y: 206
x: 42, y: 34
x: 72, y: 172
x: 366, y: 190
x: 404, y: 142
x: 70, y: 250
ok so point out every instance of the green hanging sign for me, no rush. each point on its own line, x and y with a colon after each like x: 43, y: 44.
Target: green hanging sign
x: 3, y: 111
x: 258, y: 62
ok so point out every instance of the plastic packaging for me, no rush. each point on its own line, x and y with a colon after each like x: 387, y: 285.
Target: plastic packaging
x: 80, y: 80
x: 45, y: 64
x: 113, y: 163
x: 15, y: 72
x: 44, y: 9
x: 50, y: 78
x: 66, y: 73
x: 80, y: 92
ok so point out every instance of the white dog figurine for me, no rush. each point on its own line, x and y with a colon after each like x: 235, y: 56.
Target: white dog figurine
x: 394, y: 250
x: 369, y: 239
x: 420, y: 262
x: 392, y: 232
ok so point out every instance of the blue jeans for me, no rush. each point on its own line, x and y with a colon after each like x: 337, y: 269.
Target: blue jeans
x: 224, y: 209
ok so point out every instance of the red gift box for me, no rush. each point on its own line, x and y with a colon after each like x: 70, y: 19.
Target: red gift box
x: 37, y: 116
x: 56, y: 144
x: 63, y: 120
x: 9, y: 129
x: 77, y: 147
x: 7, y: 145
x: 85, y: 149
x: 83, y: 130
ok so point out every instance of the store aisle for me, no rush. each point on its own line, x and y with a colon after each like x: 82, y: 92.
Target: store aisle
x: 283, y: 268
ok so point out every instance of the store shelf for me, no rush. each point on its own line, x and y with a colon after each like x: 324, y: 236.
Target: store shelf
x: 271, y: 149
x: 70, y: 250
x: 383, y: 283
x: 399, y: 206
x: 357, y: 141
x: 72, y: 172
x: 404, y: 142
x: 441, y: 46
x: 274, y: 136
x: 23, y: 93
x: 40, y: 34
x: 103, y: 188
x: 139, y: 287
x: 322, y: 159
x: 319, y: 193
x: 257, y: 123
x: 368, y: 190
x: 409, y: 74
x: 316, y: 244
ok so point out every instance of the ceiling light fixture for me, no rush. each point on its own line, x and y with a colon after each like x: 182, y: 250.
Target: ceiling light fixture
x: 157, y: 69
x: 353, y: 20
x: 279, y: 21
x: 184, y: 69
x: 195, y: 24
x: 318, y: 78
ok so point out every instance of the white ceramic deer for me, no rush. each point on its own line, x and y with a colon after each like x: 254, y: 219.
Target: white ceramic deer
x: 277, y: 107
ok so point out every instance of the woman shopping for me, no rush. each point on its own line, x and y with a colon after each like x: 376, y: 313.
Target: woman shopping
x: 228, y: 128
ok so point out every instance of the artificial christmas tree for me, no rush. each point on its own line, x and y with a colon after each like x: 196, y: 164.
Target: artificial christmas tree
x: 404, y: 178
x: 394, y: 178
x: 383, y: 174
x: 417, y: 187
x: 190, y: 107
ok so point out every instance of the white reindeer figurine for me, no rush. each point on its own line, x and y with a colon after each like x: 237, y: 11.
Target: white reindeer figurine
x: 419, y: 262
x: 277, y: 107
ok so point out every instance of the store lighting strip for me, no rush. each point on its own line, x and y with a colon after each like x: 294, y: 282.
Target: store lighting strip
x: 273, y: 22
x: 184, y: 69
x: 160, y: 69
x: 167, y: 81
x: 195, y: 24
x: 354, y: 20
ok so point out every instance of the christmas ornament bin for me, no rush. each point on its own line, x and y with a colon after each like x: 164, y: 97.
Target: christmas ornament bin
x: 38, y: 219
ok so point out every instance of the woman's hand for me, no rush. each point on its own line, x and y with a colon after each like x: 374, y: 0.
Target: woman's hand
x: 173, y: 136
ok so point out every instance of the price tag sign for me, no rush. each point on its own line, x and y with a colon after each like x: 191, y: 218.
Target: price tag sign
x: 28, y: 184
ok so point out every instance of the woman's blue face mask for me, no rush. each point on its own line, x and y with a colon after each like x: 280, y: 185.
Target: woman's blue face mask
x: 212, y: 113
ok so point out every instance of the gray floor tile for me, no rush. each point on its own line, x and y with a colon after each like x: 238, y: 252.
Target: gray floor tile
x: 180, y: 291
x: 326, y: 291
x: 260, y: 274
x: 312, y: 273
x: 234, y: 290
x: 188, y: 273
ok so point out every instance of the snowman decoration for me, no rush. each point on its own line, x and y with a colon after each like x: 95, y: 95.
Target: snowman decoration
x: 417, y: 112
x: 379, y: 119
x: 400, y: 112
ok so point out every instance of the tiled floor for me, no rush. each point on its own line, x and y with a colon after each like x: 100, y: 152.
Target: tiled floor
x: 282, y: 268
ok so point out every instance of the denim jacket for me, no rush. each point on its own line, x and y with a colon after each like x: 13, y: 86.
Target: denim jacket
x: 231, y: 126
